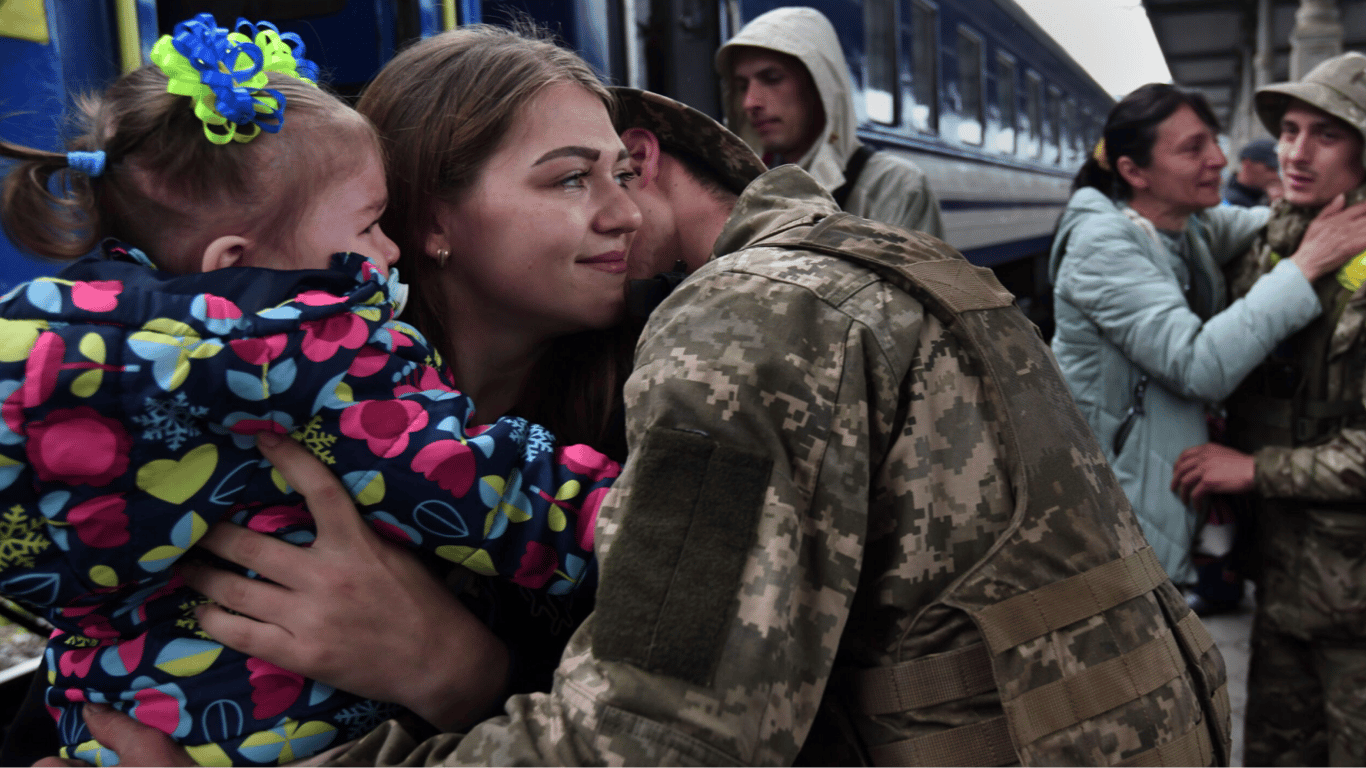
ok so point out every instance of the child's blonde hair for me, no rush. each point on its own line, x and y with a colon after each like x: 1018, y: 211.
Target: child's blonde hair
x: 169, y: 190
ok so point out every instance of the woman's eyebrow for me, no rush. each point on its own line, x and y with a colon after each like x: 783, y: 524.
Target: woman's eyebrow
x: 587, y: 153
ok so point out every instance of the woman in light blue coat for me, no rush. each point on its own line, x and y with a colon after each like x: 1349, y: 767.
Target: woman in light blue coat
x: 1145, y: 335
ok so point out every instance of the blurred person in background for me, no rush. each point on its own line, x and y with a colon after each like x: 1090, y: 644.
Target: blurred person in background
x: 1258, y: 178
x: 789, y: 96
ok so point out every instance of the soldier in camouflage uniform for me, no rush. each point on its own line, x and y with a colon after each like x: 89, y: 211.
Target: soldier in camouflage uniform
x: 860, y: 521
x: 1300, y: 425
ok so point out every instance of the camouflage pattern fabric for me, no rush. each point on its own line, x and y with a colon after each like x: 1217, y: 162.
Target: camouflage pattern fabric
x: 889, y: 484
x: 1309, y: 637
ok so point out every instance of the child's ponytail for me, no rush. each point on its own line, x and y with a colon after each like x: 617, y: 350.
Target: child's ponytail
x: 49, y: 206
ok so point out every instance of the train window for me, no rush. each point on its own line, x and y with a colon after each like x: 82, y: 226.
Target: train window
x: 1052, y: 126
x: 1034, y: 113
x: 880, y: 80
x: 925, y: 74
x: 1067, y: 131
x: 1005, y: 103
x: 969, y: 87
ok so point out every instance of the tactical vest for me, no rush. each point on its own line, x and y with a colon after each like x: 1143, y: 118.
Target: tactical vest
x: 1282, y: 402
x: 1087, y: 642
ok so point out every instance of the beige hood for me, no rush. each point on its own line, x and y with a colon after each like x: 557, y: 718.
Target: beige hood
x: 806, y: 34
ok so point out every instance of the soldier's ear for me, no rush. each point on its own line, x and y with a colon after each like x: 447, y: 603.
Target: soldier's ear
x: 643, y: 146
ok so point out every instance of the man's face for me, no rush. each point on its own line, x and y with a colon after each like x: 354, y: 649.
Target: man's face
x: 1320, y: 155
x: 779, y: 98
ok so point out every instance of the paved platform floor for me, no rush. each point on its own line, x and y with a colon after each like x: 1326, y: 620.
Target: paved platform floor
x: 1232, y: 632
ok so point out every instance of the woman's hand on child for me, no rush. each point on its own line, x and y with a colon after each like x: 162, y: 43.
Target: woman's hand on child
x: 1335, y: 235
x: 353, y: 610
x: 135, y: 743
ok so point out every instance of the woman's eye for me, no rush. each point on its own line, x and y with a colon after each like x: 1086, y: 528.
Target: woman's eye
x: 574, y: 179
x: 626, y: 177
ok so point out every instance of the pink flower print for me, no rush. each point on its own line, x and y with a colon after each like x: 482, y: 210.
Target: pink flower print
x: 538, y: 565
x: 259, y: 351
x: 77, y: 662
x: 383, y: 424
x: 322, y: 338
x: 219, y: 308
x: 101, y: 521
x: 319, y: 299
x: 586, y: 461
x: 368, y: 362
x: 425, y: 379
x: 96, y: 295
x: 586, y: 521
x: 279, y: 517
x: 448, y: 463
x: 273, y: 690
x: 44, y: 364
x: 78, y: 446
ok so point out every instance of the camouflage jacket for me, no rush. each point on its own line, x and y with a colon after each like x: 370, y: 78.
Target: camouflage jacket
x: 1311, y: 477
x: 815, y: 462
x: 1329, y: 355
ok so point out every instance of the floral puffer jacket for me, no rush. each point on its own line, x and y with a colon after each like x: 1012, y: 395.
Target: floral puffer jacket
x: 130, y: 399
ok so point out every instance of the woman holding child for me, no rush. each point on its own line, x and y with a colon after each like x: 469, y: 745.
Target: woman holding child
x: 517, y: 237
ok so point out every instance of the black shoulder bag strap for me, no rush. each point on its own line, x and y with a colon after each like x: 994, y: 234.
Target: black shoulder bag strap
x: 851, y: 173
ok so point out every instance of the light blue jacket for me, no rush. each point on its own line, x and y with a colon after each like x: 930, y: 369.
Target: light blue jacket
x: 1121, y: 313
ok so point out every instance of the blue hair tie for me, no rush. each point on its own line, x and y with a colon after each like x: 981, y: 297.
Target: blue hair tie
x: 89, y: 163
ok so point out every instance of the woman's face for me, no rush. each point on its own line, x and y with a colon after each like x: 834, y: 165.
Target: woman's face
x: 539, y: 242
x: 1184, y: 173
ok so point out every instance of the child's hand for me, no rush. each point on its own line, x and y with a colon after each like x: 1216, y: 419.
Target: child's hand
x: 353, y: 610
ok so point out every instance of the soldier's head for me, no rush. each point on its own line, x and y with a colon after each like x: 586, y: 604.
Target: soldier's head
x: 1320, y: 121
x: 690, y: 170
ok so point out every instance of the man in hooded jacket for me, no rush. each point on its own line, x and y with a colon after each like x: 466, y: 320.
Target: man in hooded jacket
x: 788, y: 94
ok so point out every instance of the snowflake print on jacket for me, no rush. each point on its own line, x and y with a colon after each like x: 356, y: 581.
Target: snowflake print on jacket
x: 129, y: 401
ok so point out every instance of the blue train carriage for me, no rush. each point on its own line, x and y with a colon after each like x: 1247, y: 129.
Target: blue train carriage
x: 51, y: 50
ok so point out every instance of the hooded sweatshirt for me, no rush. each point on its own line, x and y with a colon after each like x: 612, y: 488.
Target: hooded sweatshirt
x: 890, y: 189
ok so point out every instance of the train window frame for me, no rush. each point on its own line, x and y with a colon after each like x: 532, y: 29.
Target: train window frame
x: 881, y: 64
x: 925, y: 68
x: 1007, y: 103
x: 1053, y: 120
x: 1034, y: 113
x: 971, y: 117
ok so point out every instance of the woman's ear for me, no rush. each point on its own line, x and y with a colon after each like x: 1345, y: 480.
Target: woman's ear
x: 1130, y: 172
x: 643, y: 146
x: 225, y: 251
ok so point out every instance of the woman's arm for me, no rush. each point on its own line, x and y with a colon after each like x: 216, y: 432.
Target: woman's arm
x: 353, y: 610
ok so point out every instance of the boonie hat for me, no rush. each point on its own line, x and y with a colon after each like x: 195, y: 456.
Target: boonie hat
x: 1261, y: 151
x: 682, y: 128
x: 1337, y: 86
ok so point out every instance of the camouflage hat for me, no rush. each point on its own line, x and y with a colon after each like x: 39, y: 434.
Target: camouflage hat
x: 1337, y: 86
x: 682, y: 128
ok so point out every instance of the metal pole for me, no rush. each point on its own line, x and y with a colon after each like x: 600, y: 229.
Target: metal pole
x: 1317, y: 36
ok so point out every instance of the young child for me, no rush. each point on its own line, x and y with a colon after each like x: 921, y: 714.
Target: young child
x: 132, y: 385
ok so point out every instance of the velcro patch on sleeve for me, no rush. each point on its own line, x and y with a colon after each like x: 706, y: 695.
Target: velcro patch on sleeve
x: 670, y: 583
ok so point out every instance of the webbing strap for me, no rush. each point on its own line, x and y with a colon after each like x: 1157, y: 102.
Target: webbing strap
x: 1038, y: 612
x: 1193, y: 748
x: 1095, y: 690
x: 1195, y: 634
x: 924, y: 682
x: 984, y: 743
